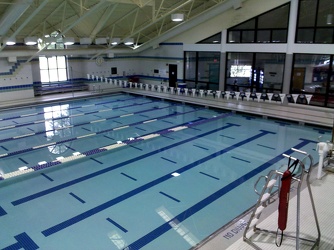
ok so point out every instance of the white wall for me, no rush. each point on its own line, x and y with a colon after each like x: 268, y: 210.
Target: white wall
x: 21, y: 75
x: 227, y: 19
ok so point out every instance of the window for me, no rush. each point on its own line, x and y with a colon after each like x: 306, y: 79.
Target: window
x: 270, y: 27
x: 313, y: 74
x: 315, y: 21
x: 212, y: 39
x: 259, y: 72
x: 202, y: 69
x: 53, y: 69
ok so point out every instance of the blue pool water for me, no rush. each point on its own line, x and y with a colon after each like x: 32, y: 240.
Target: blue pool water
x: 167, y: 192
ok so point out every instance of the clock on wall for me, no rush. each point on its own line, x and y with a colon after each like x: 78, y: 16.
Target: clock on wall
x: 99, y: 60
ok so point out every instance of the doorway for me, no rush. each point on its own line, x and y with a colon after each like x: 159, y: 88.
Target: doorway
x: 172, y: 75
x: 298, y: 78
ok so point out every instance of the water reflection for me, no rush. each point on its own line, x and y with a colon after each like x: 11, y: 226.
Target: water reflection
x: 57, y: 126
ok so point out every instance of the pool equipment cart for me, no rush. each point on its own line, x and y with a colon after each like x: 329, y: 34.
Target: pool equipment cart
x: 273, y: 181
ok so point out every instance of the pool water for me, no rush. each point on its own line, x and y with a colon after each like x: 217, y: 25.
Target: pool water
x: 166, y: 191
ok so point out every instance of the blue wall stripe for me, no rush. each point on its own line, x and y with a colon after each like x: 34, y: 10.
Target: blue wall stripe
x: 103, y: 171
x: 2, y: 211
x: 169, y: 196
x: 117, y: 225
x: 77, y: 197
x: 168, y: 160
x: 103, y: 206
x: 216, y: 178
x: 47, y: 177
x: 146, y: 239
x: 129, y: 176
x: 23, y: 241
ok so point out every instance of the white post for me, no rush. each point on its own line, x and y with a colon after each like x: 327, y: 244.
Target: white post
x: 322, y: 148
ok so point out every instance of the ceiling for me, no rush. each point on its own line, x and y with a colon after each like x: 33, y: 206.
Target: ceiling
x: 143, y: 20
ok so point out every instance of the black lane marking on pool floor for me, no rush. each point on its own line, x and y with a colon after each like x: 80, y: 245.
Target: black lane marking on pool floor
x: 229, y: 137
x: 209, y: 175
x: 239, y: 159
x: 131, y: 146
x: 69, y: 222
x: 117, y: 225
x: 200, y: 147
x: 113, y: 167
x: 264, y: 146
x: 2, y: 211
x: 154, y: 234
x: 169, y: 196
x: 100, y: 162
x: 47, y: 177
x: 77, y: 197
x: 25, y: 162
x: 168, y: 160
x: 128, y: 176
x: 23, y: 242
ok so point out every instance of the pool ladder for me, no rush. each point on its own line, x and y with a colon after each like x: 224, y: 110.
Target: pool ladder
x: 268, y: 196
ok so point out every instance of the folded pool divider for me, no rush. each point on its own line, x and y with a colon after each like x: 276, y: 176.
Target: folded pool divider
x: 77, y: 155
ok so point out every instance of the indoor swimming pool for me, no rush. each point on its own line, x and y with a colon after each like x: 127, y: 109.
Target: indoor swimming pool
x: 124, y: 171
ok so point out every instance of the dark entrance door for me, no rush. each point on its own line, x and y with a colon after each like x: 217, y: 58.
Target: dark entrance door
x: 172, y: 75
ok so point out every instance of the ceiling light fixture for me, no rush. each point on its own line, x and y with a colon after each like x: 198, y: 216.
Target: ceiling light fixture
x: 68, y: 40
x: 31, y: 40
x: 129, y: 41
x: 329, y: 19
x: 85, y: 41
x: 178, y: 17
x: 50, y: 40
x: 101, y: 40
x: 10, y: 41
x: 115, y: 41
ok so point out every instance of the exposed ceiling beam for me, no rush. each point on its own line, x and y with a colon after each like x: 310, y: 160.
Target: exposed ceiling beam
x: 13, y: 13
x: 26, y: 21
x: 106, y: 15
x: 88, y: 13
x: 137, y: 32
x: 34, y: 31
x: 139, y: 3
